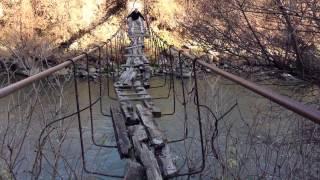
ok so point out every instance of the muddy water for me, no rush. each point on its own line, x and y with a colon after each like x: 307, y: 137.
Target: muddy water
x: 266, y: 123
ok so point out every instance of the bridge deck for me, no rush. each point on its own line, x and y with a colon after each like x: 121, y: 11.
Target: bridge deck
x: 137, y: 133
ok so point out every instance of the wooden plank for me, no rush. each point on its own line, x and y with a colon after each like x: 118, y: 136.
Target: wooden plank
x: 156, y: 112
x: 135, y: 65
x: 134, y: 171
x: 130, y: 115
x: 141, y: 88
x: 136, y: 146
x: 137, y: 35
x: 153, y: 130
x: 126, y: 86
x: 122, y: 85
x: 137, y: 84
x: 121, y: 132
x: 135, y: 46
x: 141, y: 98
x: 139, y: 132
x: 132, y: 93
x: 148, y: 104
x: 133, y: 55
x: 150, y: 163
x: 128, y: 76
x: 166, y: 162
x: 148, y: 159
x: 146, y: 84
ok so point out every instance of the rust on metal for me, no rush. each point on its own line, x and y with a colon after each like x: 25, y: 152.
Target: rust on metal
x: 295, y: 106
x: 32, y: 79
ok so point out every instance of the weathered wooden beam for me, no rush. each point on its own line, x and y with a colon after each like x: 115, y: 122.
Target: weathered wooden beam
x: 146, y: 84
x: 137, y: 84
x: 141, y: 88
x: 135, y: 46
x: 139, y: 132
x: 135, y: 65
x: 128, y: 76
x: 126, y: 86
x: 166, y: 162
x: 149, y: 161
x: 121, y: 133
x: 122, y: 85
x: 132, y: 94
x: 156, y: 112
x: 136, y: 146
x: 156, y: 135
x: 141, y: 98
x: 130, y: 115
x: 134, y: 171
x: 133, y: 55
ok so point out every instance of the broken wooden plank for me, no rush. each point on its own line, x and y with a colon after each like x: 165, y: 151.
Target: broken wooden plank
x: 134, y: 171
x: 166, y: 162
x: 121, y: 133
x: 153, y: 130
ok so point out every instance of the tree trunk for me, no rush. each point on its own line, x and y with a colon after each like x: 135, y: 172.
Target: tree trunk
x: 293, y: 37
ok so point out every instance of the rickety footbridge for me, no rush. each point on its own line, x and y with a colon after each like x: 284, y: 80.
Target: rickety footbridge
x: 138, y: 136
x: 139, y: 139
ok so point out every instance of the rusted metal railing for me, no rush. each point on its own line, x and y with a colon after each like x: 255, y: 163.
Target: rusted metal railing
x: 295, y: 106
x: 32, y: 79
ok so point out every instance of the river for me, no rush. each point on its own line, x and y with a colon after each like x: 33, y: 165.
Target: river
x: 256, y: 139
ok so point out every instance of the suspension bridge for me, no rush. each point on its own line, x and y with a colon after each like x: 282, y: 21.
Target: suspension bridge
x: 140, y: 141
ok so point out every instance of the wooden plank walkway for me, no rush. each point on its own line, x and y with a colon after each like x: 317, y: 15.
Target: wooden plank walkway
x: 138, y: 136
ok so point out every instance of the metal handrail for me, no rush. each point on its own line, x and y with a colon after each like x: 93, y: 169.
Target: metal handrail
x: 295, y: 106
x: 5, y: 91
x: 25, y: 82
